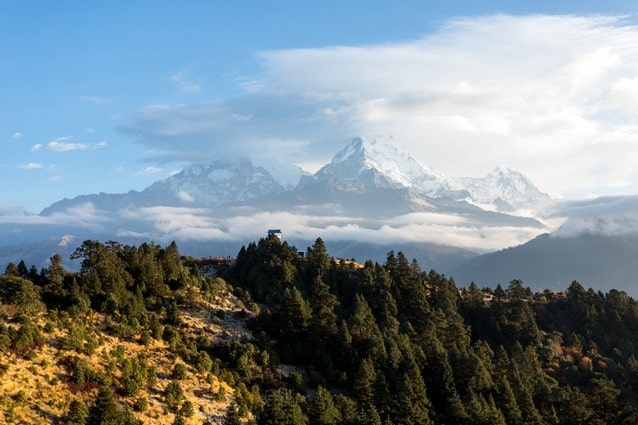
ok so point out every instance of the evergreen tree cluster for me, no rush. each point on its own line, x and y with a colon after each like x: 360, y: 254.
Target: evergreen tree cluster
x: 335, y: 342
x: 392, y: 344
x: 139, y: 291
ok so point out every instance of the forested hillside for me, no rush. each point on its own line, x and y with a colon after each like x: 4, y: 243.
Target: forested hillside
x: 144, y: 335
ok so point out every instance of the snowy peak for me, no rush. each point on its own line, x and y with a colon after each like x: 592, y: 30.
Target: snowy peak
x: 505, y: 189
x: 287, y: 175
x: 381, y: 162
x: 217, y: 183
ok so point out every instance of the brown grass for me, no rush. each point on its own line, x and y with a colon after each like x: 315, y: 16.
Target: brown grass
x: 38, y: 390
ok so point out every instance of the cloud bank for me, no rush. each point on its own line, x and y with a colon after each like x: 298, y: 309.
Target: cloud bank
x: 603, y: 216
x: 553, y: 96
x: 161, y: 223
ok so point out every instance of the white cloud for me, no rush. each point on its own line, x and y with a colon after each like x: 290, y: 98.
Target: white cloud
x: 32, y: 166
x: 177, y: 223
x: 36, y: 147
x: 98, y: 100
x: 150, y: 170
x: 162, y: 223
x: 65, y: 144
x: 83, y: 215
x: 539, y: 93
x: 16, y: 135
x: 185, y: 196
x: 607, y: 215
x: 184, y: 83
x: 201, y: 224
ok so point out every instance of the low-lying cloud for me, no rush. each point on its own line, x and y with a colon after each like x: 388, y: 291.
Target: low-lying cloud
x: 603, y: 216
x: 162, y: 223
x: 609, y: 216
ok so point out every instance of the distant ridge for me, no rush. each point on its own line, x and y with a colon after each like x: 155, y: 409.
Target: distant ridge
x: 364, y: 164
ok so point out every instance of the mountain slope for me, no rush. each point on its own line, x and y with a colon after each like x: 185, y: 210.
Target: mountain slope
x: 597, y: 260
x: 597, y: 245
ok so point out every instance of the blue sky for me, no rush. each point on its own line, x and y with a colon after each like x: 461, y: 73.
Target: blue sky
x: 108, y: 97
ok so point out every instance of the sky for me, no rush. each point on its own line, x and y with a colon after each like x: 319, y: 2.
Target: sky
x: 110, y: 97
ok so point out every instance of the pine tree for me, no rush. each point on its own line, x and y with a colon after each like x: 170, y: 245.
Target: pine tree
x: 322, y: 408
x: 529, y: 412
x: 366, y: 336
x: 505, y: 396
x: 77, y: 413
x: 324, y: 319
x: 377, y: 287
x: 282, y: 408
x: 440, y: 382
x: 410, y: 293
x: 368, y: 415
x: 55, y: 273
x: 295, y: 313
x: 232, y: 415
x: 364, y: 382
x: 412, y: 403
x: 22, y: 270
x: 603, y: 398
x: 317, y: 258
x: 105, y: 411
x: 12, y: 270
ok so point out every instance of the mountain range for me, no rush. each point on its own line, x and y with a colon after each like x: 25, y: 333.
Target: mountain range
x: 373, y: 197
x: 364, y: 166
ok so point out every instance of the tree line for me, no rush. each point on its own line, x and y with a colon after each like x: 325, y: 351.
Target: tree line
x: 340, y: 343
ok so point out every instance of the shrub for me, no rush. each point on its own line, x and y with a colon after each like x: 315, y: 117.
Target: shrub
x: 77, y: 413
x: 179, y: 371
x: 187, y: 409
x: 141, y: 404
x: 20, y: 396
x: 173, y: 394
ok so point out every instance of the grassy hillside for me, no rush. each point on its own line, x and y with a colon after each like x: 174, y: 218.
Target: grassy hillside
x: 76, y: 355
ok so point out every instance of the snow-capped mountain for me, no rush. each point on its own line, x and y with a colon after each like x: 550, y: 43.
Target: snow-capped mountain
x: 503, y: 189
x: 287, y: 175
x: 218, y: 183
x: 201, y: 185
x: 381, y: 162
x: 378, y: 167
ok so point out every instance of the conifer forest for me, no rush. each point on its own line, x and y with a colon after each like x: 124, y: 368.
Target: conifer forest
x: 279, y: 335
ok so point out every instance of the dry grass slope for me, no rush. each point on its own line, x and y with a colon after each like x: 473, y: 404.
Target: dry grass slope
x: 37, y: 388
